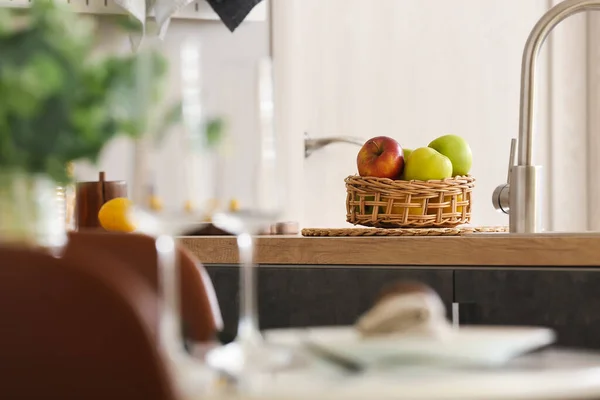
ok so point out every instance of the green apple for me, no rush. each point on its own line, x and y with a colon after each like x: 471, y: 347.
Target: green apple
x: 407, y: 152
x: 457, y: 150
x: 426, y: 164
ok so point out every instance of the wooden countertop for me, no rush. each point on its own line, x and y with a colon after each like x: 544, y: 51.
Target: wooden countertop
x: 548, y: 249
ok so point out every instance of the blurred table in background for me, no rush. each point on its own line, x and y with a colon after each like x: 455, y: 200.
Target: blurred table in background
x: 554, y: 373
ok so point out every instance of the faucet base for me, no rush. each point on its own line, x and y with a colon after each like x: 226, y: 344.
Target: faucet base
x: 525, y: 199
x: 501, y: 198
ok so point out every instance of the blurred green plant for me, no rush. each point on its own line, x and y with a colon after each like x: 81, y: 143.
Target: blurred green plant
x: 214, y: 131
x: 58, y: 104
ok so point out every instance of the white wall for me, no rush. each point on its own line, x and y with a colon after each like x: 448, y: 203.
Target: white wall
x: 593, y: 105
x: 413, y: 70
x: 568, y: 163
x: 229, y: 76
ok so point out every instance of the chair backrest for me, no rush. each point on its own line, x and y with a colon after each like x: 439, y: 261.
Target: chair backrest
x: 77, y: 329
x: 200, y: 311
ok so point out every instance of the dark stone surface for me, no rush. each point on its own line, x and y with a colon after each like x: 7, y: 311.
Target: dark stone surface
x: 568, y: 301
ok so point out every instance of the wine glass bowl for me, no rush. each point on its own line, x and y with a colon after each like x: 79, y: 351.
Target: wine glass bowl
x: 196, y: 174
x: 249, y: 353
x: 171, y: 182
x: 175, y: 160
x: 261, y: 170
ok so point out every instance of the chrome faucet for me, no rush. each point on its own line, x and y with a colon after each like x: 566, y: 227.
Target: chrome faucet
x: 523, y: 200
x: 312, y: 145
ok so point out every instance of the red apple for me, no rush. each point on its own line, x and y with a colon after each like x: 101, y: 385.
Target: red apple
x: 381, y: 157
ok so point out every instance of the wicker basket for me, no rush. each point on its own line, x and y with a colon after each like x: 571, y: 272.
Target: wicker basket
x: 386, y: 203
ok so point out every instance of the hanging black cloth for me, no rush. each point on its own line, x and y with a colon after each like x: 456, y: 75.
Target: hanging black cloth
x: 233, y: 12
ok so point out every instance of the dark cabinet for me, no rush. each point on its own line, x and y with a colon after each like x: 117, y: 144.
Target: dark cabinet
x: 226, y: 281
x: 291, y: 297
x: 317, y: 296
x: 568, y: 301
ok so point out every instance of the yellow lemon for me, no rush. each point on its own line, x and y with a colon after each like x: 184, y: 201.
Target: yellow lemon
x: 448, y: 209
x: 459, y: 199
x: 155, y: 203
x: 113, y: 215
x: 398, y: 209
x: 189, y: 207
x: 234, y: 205
x: 411, y: 210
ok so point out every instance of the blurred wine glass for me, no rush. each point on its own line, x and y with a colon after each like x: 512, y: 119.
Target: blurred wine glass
x: 196, y: 186
x: 175, y: 159
x: 262, y: 170
x: 174, y: 168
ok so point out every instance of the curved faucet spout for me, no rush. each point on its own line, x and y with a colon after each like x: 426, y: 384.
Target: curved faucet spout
x: 524, y: 197
x: 532, y: 49
x: 311, y: 145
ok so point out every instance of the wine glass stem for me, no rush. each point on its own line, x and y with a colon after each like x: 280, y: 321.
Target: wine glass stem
x: 170, y: 319
x: 248, y: 329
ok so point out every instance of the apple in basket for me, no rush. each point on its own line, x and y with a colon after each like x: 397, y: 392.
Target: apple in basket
x: 381, y: 157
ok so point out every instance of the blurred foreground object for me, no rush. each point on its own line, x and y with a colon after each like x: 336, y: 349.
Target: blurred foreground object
x: 58, y: 106
x: 31, y: 211
x: 406, y: 308
x: 200, y: 310
x: 78, y: 328
x: 69, y: 194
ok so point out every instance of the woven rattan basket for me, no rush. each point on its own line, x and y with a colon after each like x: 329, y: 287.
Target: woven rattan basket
x: 386, y: 203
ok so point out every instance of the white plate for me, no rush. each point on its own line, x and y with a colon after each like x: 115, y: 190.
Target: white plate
x: 469, y: 345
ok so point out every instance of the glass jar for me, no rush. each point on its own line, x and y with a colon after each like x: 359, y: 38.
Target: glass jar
x: 66, y: 197
x: 31, y: 211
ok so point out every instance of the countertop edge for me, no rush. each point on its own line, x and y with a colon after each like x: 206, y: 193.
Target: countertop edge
x: 500, y: 250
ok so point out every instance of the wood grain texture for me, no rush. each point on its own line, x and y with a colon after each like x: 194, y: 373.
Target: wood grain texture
x: 545, y: 250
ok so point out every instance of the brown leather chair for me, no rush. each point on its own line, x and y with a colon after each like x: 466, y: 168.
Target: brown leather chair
x: 200, y: 311
x: 77, y: 329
